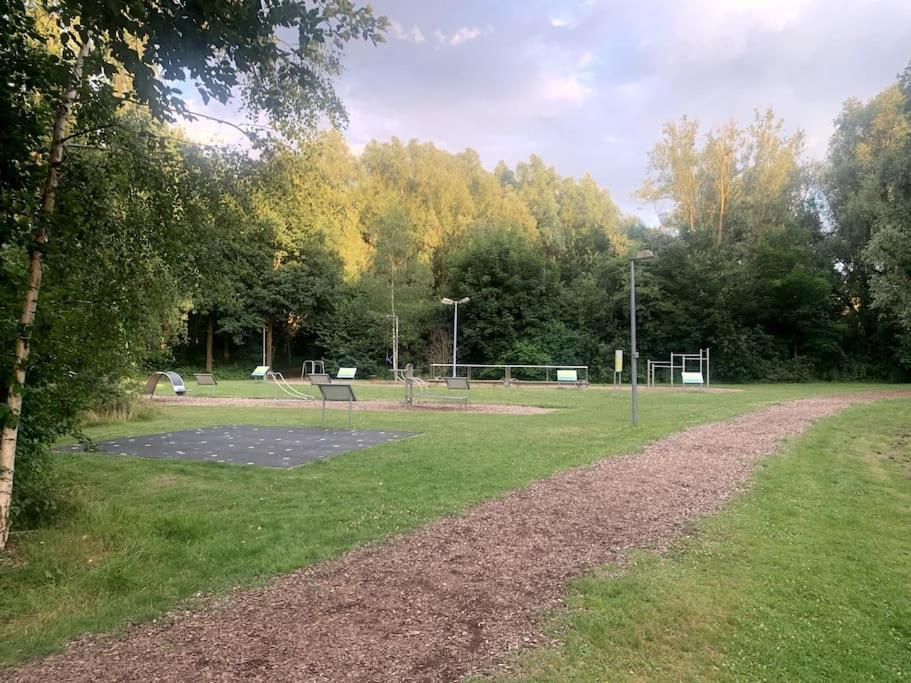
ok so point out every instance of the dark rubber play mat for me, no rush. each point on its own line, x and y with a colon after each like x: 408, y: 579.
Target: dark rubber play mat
x: 248, y: 445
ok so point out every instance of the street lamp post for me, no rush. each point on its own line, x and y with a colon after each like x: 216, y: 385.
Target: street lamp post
x: 455, y: 325
x: 641, y: 257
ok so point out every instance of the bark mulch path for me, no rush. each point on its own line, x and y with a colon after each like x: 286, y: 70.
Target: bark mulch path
x: 459, y: 595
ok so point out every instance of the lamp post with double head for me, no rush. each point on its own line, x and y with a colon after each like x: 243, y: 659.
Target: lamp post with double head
x: 455, y: 325
x: 640, y: 257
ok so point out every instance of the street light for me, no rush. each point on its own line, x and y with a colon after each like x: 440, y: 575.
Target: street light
x: 641, y: 257
x: 455, y: 324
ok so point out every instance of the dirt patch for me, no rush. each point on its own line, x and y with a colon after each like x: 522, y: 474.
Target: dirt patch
x: 457, y: 596
x: 368, y: 406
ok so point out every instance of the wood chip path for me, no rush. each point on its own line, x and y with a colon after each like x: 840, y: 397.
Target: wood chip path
x: 458, y: 596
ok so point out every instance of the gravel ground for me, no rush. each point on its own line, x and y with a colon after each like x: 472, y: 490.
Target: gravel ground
x: 369, y: 406
x: 460, y: 595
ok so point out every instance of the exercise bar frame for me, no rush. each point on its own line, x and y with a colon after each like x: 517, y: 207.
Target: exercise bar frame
x: 703, y: 358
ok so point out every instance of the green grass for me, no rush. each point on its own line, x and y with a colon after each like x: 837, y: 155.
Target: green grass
x: 145, y: 535
x: 807, y: 577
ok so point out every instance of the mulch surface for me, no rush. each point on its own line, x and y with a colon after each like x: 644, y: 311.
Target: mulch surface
x: 460, y: 595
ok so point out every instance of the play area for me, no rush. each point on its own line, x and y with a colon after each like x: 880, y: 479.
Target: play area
x: 249, y: 445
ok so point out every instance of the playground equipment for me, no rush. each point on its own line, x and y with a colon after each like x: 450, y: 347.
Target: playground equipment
x: 337, y: 392
x: 283, y: 384
x: 679, y: 362
x: 206, y: 379
x: 313, y: 367
x: 453, y: 384
x: 260, y: 372
x: 438, y: 372
x: 176, y: 383
x: 345, y: 373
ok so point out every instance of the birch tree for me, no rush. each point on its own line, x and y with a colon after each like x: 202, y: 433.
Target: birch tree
x: 278, y: 57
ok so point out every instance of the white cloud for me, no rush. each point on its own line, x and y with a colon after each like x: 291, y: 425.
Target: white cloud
x: 462, y: 35
x: 559, y: 22
x: 572, y: 89
x: 412, y: 35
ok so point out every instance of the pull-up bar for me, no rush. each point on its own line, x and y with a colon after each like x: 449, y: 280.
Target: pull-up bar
x: 679, y: 361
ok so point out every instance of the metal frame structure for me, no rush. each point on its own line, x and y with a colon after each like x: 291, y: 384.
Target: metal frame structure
x: 313, y: 367
x: 337, y: 392
x: 678, y: 361
x: 507, y: 368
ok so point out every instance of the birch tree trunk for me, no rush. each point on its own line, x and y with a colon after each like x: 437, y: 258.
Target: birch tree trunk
x: 40, y: 237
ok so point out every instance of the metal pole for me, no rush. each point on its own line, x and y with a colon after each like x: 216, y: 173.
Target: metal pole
x: 708, y: 374
x: 264, y: 346
x: 455, y: 334
x: 632, y: 327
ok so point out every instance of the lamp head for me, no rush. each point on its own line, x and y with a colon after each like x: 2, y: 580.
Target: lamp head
x: 644, y: 256
x: 446, y: 300
x: 464, y: 300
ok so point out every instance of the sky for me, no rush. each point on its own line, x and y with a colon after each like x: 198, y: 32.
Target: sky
x: 588, y: 84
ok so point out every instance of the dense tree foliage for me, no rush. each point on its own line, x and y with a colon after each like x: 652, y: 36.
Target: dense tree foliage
x: 73, y: 71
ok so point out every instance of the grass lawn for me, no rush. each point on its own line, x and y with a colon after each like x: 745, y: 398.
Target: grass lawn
x: 145, y: 535
x: 806, y: 577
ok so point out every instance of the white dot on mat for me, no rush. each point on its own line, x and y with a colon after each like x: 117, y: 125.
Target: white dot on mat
x: 287, y: 449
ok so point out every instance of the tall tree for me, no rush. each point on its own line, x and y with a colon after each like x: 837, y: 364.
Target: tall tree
x: 225, y: 50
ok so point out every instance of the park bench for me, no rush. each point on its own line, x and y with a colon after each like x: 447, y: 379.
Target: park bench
x: 206, y: 379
